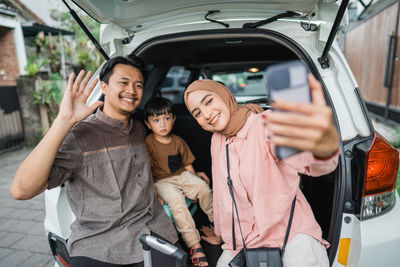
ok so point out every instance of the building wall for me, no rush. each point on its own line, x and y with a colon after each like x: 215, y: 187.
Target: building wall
x: 366, y: 49
x: 9, y: 70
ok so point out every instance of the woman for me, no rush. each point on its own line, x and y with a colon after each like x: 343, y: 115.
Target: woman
x: 265, y: 186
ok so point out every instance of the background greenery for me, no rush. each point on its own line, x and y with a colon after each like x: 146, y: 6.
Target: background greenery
x: 45, y: 55
x: 82, y: 52
x: 398, y: 180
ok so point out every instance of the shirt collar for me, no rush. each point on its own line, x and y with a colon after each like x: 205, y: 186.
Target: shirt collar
x: 118, y: 124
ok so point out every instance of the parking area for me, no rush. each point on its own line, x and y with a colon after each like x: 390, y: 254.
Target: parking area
x: 22, y: 238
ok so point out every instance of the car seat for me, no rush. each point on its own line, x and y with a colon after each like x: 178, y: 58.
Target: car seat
x: 190, y: 204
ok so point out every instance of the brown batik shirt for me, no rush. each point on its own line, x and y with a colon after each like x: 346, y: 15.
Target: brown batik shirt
x: 110, y: 190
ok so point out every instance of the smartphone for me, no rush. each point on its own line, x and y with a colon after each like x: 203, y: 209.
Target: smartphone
x: 288, y: 81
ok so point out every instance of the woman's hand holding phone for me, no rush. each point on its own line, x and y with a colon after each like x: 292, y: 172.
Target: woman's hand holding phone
x: 305, y: 126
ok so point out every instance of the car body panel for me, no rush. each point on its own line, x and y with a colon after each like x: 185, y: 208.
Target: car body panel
x: 381, y: 239
x: 338, y: 78
x: 129, y: 14
x: 59, y: 215
x: 323, y: 13
x: 374, y: 242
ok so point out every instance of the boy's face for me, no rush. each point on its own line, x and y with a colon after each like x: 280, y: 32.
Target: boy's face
x: 161, y: 125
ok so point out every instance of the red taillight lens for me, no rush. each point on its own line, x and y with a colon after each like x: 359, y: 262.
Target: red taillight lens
x: 381, y: 167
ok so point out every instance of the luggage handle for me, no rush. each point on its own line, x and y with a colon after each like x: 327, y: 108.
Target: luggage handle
x: 151, y: 242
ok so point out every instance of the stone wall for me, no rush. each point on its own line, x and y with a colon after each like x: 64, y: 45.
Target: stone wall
x: 30, y: 111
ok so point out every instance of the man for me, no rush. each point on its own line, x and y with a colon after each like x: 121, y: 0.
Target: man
x: 105, y: 161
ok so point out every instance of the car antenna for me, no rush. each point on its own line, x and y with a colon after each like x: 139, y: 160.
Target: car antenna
x: 86, y: 30
x: 216, y: 21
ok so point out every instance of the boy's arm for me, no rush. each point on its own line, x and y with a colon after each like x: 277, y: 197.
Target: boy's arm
x: 188, y: 158
x: 202, y: 175
x: 32, y: 175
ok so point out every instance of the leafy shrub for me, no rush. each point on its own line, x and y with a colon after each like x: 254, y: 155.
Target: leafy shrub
x: 398, y: 181
x: 395, y: 140
x: 49, y: 93
x: 33, y: 65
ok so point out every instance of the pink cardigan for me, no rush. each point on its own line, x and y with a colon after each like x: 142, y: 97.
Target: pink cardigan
x: 264, y: 188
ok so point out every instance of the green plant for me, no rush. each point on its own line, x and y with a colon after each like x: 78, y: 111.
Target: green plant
x: 395, y: 140
x: 49, y: 93
x: 84, y: 54
x: 33, y: 65
x: 398, y: 180
x: 83, y: 59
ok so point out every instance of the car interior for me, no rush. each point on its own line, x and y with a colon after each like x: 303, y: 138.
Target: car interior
x: 212, y: 55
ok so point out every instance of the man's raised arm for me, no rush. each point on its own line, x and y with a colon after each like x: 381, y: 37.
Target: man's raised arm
x: 32, y: 175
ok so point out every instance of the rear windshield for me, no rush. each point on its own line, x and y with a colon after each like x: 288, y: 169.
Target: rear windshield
x: 175, y: 84
x: 244, y: 85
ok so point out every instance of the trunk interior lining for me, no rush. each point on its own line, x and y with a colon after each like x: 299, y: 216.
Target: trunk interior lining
x: 225, y: 51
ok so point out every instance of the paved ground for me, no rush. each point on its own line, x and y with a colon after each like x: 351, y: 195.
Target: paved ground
x: 22, y: 238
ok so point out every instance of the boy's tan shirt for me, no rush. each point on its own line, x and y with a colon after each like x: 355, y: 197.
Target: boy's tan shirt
x: 168, y: 160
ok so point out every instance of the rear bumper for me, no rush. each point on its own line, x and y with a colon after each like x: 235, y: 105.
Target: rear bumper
x: 374, y: 242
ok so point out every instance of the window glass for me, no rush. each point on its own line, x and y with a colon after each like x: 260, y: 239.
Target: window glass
x: 245, y: 85
x: 168, y: 82
x: 175, y: 84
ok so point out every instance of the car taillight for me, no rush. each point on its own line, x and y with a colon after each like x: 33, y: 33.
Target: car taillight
x: 379, y: 189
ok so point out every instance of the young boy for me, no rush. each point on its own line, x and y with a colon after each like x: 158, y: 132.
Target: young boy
x: 174, y: 176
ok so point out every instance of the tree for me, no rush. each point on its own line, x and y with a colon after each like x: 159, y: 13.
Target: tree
x: 80, y: 49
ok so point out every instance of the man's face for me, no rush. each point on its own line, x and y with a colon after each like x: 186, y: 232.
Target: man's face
x: 124, y: 91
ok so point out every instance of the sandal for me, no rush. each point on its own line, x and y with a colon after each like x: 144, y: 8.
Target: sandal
x: 196, y: 260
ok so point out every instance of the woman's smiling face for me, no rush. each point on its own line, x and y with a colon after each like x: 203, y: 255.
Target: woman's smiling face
x: 208, y: 109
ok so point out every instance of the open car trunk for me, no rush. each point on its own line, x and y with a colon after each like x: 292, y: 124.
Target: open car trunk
x: 208, y: 52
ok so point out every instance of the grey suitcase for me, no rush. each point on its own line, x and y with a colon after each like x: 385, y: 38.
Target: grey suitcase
x: 150, y: 242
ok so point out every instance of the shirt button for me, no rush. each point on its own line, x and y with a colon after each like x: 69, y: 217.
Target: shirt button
x: 135, y: 156
x: 139, y: 175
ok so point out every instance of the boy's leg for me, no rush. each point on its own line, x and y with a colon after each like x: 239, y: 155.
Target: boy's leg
x: 184, y: 223
x: 196, y: 188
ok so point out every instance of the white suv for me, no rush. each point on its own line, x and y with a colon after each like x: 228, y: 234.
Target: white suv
x: 233, y: 42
